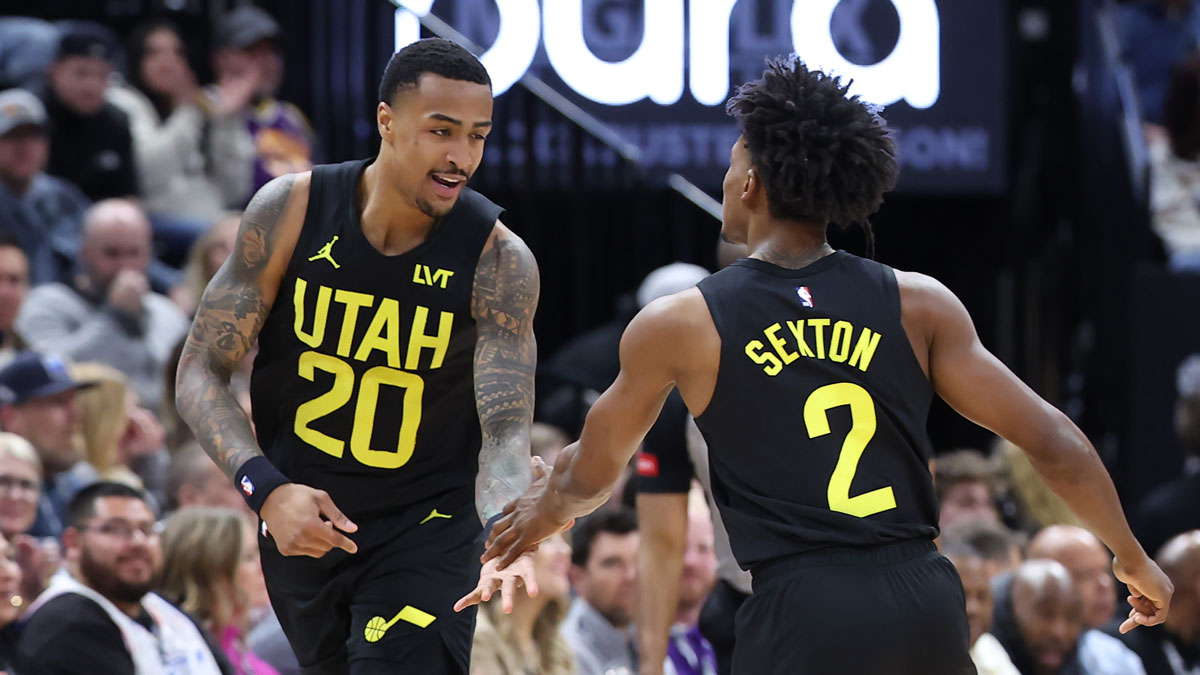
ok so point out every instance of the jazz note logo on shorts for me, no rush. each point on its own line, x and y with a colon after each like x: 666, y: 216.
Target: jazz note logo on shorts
x: 805, y: 296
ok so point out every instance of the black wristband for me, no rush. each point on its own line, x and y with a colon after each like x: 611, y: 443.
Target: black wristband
x: 257, y: 479
x: 487, y: 529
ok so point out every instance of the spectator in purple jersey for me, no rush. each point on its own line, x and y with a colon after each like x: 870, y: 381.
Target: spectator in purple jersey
x: 283, y: 138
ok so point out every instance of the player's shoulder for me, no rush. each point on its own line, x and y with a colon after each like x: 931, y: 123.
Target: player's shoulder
x: 922, y: 293
x: 671, y: 327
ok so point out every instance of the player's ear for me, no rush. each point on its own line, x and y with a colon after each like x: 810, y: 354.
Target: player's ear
x: 750, y: 187
x: 384, y: 119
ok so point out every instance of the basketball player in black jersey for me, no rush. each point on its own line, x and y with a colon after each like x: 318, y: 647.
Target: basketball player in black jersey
x: 393, y: 387
x: 810, y: 372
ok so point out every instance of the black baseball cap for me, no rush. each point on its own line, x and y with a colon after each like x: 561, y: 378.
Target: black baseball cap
x: 244, y: 26
x: 83, y: 42
x: 31, y: 375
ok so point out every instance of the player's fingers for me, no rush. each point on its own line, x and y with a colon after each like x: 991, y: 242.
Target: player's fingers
x: 540, y: 468
x: 469, y: 599
x: 529, y: 577
x: 1127, y: 625
x: 1141, y: 604
x: 333, y: 513
x: 324, y: 535
x: 508, y: 589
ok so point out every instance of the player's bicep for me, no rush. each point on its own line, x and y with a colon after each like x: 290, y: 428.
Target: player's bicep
x: 620, y: 418
x: 239, y: 296
x: 977, y: 384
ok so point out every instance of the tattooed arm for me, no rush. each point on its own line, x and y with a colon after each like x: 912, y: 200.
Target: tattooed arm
x: 226, y: 326
x: 503, y: 302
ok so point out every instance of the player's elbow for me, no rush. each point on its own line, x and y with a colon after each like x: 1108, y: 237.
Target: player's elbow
x: 1060, y: 449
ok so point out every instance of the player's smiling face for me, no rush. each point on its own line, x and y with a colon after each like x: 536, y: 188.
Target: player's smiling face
x: 436, y: 132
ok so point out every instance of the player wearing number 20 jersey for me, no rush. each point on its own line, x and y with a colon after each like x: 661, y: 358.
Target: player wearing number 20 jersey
x: 363, y: 381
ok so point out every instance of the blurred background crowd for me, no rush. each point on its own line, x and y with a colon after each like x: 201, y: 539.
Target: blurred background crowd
x: 133, y: 131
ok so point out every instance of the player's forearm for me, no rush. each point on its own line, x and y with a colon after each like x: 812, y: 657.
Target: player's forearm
x: 504, y: 472
x: 578, y: 487
x: 1070, y: 466
x: 206, y: 403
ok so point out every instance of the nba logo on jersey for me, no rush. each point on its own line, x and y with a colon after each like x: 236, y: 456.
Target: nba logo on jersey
x: 805, y: 296
x: 247, y: 486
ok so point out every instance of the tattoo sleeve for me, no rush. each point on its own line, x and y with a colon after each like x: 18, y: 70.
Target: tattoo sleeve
x: 226, y: 327
x: 503, y: 302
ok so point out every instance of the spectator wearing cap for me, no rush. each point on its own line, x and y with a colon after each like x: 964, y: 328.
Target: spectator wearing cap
x: 246, y: 51
x: 42, y: 213
x: 90, y: 142
x: 40, y: 407
x: 193, y: 160
x: 109, y: 314
x: 1174, y: 507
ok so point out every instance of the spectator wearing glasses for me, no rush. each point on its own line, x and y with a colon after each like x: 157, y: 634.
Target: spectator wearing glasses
x: 101, y: 604
x: 20, y: 486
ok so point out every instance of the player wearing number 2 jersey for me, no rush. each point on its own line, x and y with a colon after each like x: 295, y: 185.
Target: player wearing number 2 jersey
x: 810, y: 372
x: 393, y: 388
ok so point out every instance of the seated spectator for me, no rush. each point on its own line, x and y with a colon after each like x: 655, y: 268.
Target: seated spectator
x: 986, y: 651
x: 109, y: 315
x: 603, y: 573
x: 526, y: 641
x: 20, y: 485
x: 688, y: 652
x: 1089, y: 563
x: 1174, y: 152
x: 1156, y: 35
x: 1174, y: 508
x: 40, y: 407
x: 90, y: 143
x: 193, y: 479
x: 11, y: 603
x: 1039, y: 621
x: 101, y: 604
x: 999, y: 546
x: 14, y: 284
x: 211, y: 570
x: 967, y: 485
x: 1173, y: 647
x: 121, y: 439
x: 245, y: 49
x: 192, y: 163
x: 204, y: 259
x: 43, y: 213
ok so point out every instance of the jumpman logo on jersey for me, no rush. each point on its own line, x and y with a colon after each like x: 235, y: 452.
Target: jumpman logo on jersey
x: 433, y: 514
x: 326, y: 253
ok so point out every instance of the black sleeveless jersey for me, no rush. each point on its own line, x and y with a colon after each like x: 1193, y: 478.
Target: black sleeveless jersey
x: 363, y: 383
x: 816, y: 428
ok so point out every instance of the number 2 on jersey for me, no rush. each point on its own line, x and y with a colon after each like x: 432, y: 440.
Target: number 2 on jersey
x: 364, y: 411
x: 862, y: 430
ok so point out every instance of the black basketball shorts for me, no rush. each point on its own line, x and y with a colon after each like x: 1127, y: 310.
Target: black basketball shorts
x: 897, y: 609
x: 388, y: 607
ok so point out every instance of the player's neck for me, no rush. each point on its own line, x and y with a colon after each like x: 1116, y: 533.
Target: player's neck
x: 788, y: 244
x: 389, y: 220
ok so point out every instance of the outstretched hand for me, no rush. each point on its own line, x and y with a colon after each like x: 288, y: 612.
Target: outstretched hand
x: 524, y: 522
x: 507, y: 581
x: 1149, y: 593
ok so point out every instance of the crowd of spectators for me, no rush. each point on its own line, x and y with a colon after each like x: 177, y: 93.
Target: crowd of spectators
x: 121, y: 180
